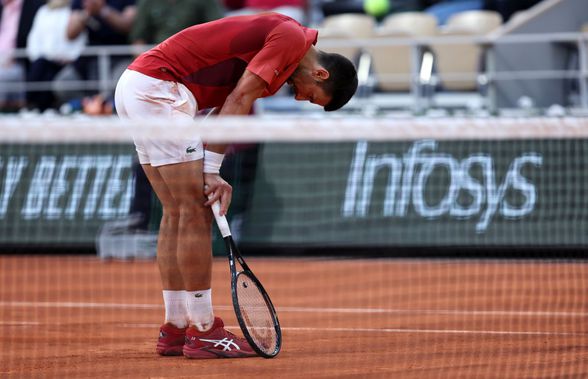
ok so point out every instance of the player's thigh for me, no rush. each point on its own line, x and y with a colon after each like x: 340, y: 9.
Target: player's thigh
x: 185, y: 182
x: 161, y: 190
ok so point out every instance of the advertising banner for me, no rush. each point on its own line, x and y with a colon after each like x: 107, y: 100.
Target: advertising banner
x: 422, y: 193
x: 62, y: 194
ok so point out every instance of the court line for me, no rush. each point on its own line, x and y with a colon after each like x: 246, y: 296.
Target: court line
x: 435, y: 331
x: 47, y: 304
x: 346, y: 330
x: 392, y: 330
x: 19, y: 323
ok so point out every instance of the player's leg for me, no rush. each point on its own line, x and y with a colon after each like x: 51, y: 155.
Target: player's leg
x: 167, y: 260
x: 172, y: 332
x: 185, y: 183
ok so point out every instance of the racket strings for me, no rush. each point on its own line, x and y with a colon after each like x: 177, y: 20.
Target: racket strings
x: 256, y: 314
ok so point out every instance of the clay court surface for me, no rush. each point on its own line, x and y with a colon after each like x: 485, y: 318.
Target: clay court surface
x: 80, y: 317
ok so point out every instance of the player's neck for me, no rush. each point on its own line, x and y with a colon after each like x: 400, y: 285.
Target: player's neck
x: 309, y: 61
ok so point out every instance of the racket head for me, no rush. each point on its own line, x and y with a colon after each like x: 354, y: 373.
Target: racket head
x: 256, y: 315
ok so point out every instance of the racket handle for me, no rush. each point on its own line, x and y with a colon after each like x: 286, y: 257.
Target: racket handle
x: 221, y: 221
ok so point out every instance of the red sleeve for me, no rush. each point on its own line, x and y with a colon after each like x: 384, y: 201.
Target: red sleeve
x: 284, y: 46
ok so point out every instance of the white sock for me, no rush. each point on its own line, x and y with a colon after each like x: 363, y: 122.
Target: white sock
x: 200, y: 309
x: 176, y: 312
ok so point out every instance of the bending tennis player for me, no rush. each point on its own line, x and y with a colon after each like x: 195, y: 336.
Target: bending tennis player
x: 228, y: 63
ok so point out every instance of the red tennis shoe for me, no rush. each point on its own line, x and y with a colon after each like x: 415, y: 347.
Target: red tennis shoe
x: 171, y: 340
x: 216, y: 343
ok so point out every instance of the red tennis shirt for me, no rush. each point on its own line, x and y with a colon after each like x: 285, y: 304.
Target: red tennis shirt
x: 210, y: 58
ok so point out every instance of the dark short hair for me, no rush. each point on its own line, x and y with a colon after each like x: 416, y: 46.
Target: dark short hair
x: 342, y: 81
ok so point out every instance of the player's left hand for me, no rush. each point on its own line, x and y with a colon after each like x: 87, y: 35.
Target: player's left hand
x: 216, y: 188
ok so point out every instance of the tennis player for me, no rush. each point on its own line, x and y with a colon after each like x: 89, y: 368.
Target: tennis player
x: 228, y: 63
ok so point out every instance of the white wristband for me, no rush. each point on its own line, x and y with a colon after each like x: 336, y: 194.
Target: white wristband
x: 212, y: 162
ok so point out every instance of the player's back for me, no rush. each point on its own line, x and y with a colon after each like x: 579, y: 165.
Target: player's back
x: 206, y: 44
x: 210, y: 58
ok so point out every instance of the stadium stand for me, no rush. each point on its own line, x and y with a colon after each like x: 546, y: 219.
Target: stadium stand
x: 360, y: 25
x: 470, y: 62
x: 392, y: 64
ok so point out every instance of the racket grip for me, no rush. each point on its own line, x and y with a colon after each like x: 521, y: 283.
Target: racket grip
x: 221, y: 221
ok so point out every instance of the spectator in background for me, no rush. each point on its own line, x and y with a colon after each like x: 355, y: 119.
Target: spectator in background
x: 509, y: 7
x: 295, y: 9
x: 334, y: 7
x: 446, y: 8
x: 382, y: 8
x: 107, y: 22
x: 16, y: 18
x: 49, y: 50
x: 157, y: 20
x: 409, y: 5
x: 443, y: 10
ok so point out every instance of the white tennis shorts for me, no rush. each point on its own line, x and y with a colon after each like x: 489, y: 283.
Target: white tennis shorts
x: 139, y: 96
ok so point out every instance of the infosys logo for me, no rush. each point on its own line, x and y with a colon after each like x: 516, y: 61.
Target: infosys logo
x: 466, y: 196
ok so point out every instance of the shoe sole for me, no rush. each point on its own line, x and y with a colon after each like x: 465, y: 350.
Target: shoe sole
x: 213, y: 354
x: 169, y: 351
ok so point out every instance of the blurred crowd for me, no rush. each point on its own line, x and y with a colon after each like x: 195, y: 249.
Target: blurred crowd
x: 441, y: 9
x: 56, y: 32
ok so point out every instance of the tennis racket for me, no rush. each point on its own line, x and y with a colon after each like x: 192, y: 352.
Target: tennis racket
x: 254, y: 309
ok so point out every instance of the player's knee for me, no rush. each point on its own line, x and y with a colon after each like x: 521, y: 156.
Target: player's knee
x: 193, y: 212
x: 171, y: 213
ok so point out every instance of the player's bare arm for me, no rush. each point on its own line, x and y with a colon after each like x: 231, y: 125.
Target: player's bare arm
x: 239, y: 102
x: 248, y: 89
